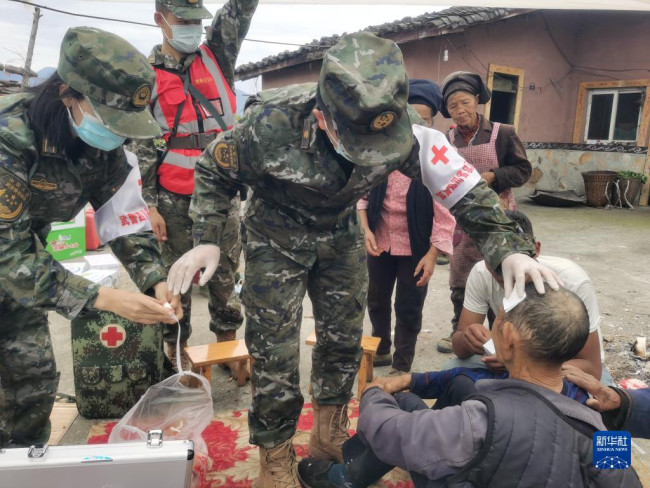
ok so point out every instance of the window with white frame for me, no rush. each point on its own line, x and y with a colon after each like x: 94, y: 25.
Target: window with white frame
x: 614, y: 115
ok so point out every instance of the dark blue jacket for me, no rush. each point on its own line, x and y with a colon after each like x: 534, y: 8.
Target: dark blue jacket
x: 638, y: 422
x: 634, y: 414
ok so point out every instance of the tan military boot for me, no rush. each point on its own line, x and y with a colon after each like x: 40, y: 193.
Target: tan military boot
x: 170, y: 350
x: 234, y: 366
x: 278, y: 467
x: 329, y: 432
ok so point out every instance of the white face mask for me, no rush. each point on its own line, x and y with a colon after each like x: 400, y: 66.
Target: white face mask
x: 185, y: 38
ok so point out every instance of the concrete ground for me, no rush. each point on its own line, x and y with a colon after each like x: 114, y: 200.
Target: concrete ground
x: 611, y: 245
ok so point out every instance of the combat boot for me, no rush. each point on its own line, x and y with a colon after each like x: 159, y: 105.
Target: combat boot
x: 329, y: 432
x: 278, y: 467
x: 170, y: 350
x: 233, y: 366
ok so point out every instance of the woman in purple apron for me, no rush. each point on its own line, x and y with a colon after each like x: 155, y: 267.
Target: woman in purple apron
x: 497, y: 153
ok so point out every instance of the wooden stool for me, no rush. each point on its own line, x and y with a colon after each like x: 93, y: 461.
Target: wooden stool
x: 370, y: 345
x: 203, y: 357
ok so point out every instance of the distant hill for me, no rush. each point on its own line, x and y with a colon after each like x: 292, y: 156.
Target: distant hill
x: 4, y: 76
x: 241, y: 100
x: 43, y: 74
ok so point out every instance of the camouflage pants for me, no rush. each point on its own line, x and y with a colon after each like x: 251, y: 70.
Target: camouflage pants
x: 28, y: 376
x: 273, y: 293
x: 225, y: 315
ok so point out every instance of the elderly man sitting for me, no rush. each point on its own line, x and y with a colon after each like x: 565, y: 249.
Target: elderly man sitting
x: 484, y: 292
x: 514, y: 432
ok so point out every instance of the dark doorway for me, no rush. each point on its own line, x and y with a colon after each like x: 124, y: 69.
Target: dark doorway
x: 504, y: 98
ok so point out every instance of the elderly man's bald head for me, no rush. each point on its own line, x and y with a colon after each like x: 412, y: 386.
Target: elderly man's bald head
x: 553, y: 327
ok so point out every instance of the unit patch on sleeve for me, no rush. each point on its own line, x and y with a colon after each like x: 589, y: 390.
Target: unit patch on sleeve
x: 225, y: 154
x: 43, y: 185
x: 14, y: 197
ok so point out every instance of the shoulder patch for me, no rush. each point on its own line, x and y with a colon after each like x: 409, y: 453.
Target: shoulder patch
x: 225, y: 154
x: 14, y: 197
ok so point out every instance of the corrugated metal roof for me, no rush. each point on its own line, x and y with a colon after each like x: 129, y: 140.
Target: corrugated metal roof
x: 452, y: 19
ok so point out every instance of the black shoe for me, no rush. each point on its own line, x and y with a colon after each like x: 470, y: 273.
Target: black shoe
x: 444, y: 345
x: 312, y: 473
x: 382, y: 360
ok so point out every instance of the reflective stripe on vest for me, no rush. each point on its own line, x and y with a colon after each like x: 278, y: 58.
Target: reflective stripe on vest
x: 176, y: 172
x: 228, y: 103
x: 183, y: 158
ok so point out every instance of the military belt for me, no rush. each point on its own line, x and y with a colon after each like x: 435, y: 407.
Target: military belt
x: 192, y: 141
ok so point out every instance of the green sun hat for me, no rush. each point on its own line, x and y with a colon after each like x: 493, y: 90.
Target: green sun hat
x: 186, y: 9
x: 114, y: 77
x: 364, y: 87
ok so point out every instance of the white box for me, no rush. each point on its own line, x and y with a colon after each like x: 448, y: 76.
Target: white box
x: 102, y: 277
x: 75, y: 268
x: 127, y: 465
x: 103, y: 261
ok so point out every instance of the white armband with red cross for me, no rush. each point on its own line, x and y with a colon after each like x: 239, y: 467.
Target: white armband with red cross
x: 444, y: 172
x: 126, y: 212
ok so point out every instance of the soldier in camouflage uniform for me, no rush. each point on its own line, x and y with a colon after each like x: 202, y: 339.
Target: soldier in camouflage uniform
x: 309, y: 152
x: 168, y: 180
x: 60, y: 149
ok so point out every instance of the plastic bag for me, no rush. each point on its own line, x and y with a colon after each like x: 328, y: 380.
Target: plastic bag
x: 182, y: 412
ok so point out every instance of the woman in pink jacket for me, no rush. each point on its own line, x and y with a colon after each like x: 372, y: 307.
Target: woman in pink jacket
x: 405, y: 233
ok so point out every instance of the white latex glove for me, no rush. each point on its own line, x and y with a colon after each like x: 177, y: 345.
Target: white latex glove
x: 204, y: 256
x: 516, y: 267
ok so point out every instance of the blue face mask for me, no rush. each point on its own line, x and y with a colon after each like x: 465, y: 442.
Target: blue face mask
x: 94, y: 133
x: 185, y: 38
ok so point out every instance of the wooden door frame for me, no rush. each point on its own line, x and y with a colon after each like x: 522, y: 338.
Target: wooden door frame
x: 506, y: 70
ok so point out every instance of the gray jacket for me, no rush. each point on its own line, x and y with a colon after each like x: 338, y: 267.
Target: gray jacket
x: 440, y: 443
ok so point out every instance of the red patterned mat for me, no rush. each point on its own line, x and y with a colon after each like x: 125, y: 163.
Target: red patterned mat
x: 234, y: 463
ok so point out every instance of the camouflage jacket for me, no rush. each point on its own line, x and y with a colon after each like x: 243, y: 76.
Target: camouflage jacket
x: 224, y: 38
x: 39, y: 185
x: 301, y: 192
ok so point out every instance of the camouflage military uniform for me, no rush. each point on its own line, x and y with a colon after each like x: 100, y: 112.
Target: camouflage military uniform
x: 224, y: 39
x: 38, y: 185
x: 303, y: 234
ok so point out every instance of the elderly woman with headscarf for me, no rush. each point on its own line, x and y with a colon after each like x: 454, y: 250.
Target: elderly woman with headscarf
x: 497, y: 153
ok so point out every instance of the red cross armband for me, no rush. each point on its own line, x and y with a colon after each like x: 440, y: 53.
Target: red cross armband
x: 444, y: 172
x: 126, y: 212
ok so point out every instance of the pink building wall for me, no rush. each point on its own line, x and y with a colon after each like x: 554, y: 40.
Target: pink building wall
x: 543, y: 43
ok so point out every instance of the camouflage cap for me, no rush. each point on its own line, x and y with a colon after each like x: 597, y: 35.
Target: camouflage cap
x: 364, y: 88
x: 114, y: 76
x: 186, y: 9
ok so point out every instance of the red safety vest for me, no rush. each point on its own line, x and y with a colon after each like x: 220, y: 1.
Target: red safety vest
x: 176, y: 171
